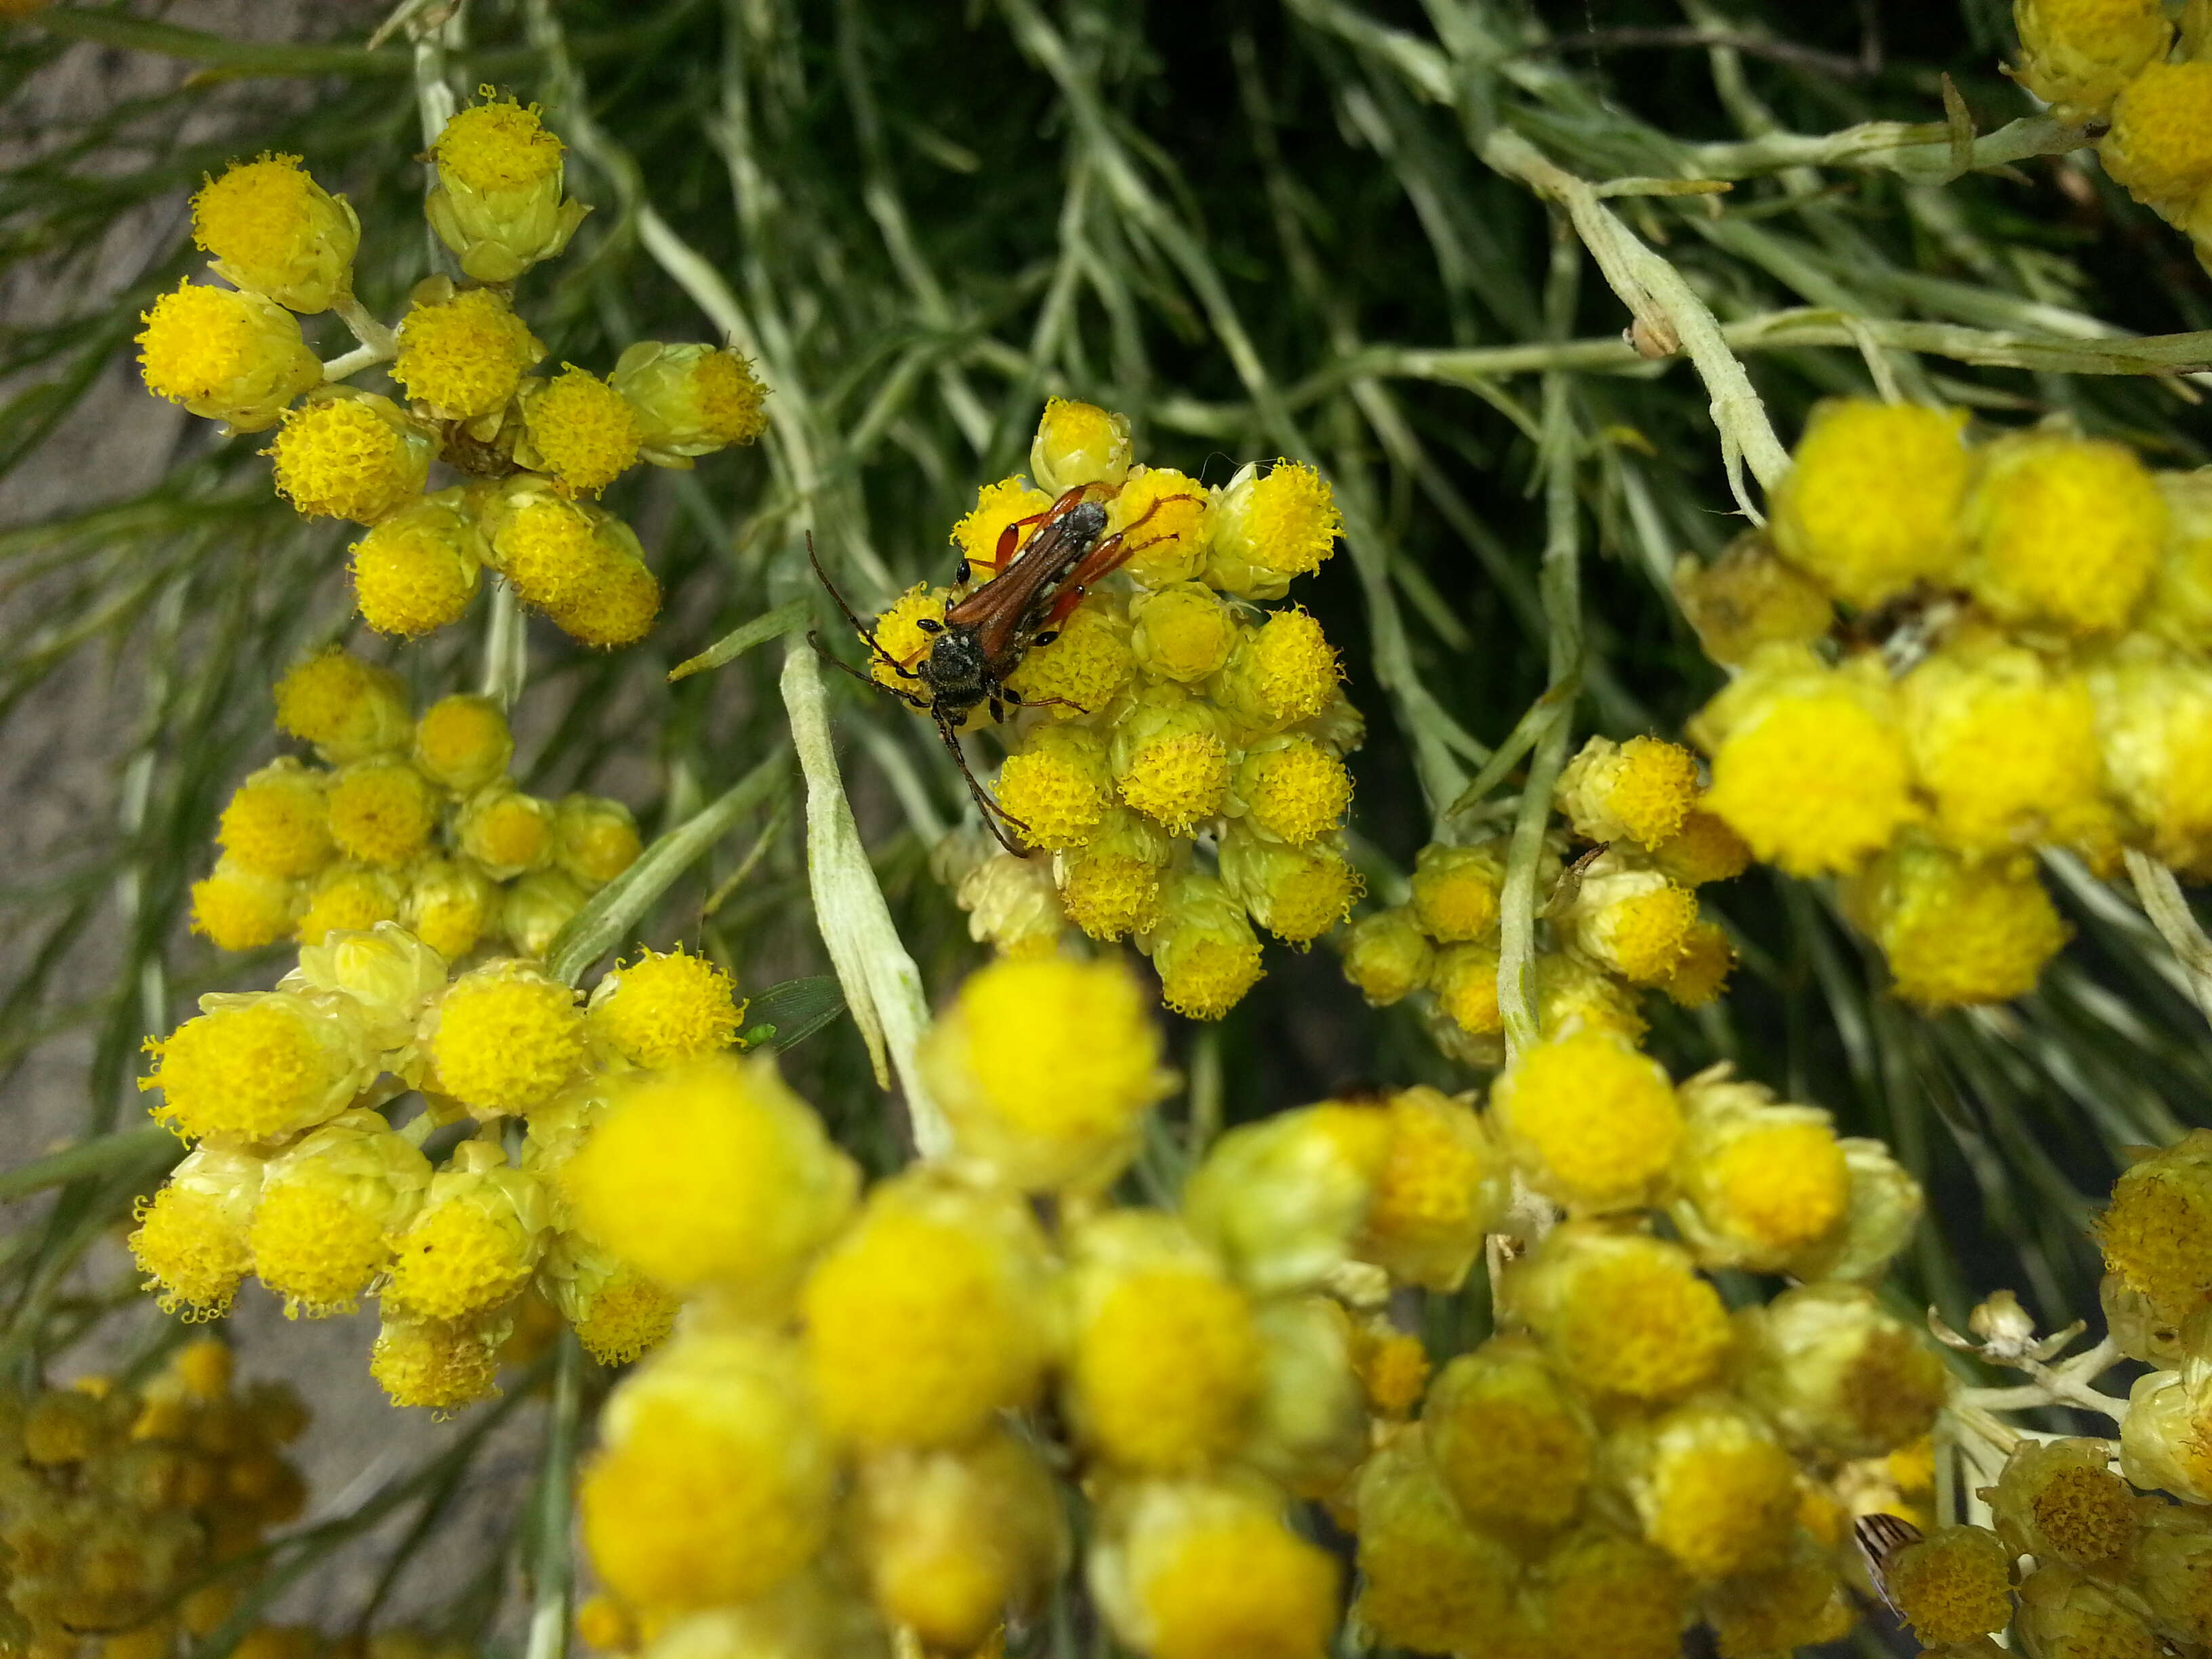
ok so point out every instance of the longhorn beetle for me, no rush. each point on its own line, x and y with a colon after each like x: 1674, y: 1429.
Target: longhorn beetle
x: 1033, y: 589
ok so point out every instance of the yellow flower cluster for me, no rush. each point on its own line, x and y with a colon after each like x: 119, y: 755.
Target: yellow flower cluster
x: 2028, y: 668
x: 413, y: 820
x: 1625, y: 1457
x: 2113, y: 61
x: 857, y: 1430
x: 1179, y: 770
x: 120, y: 1505
x: 1623, y: 919
x: 301, y: 1177
x: 525, y: 447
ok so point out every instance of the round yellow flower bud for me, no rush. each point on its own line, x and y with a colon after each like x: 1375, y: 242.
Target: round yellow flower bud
x: 505, y: 831
x: 1830, y: 1369
x: 1161, y: 513
x: 1195, y: 1571
x: 318, y: 1234
x: 451, y: 905
x: 1169, y: 761
x: 1045, y: 1067
x: 382, y: 811
x: 2068, y: 1615
x: 619, y: 605
x: 462, y: 743
x: 1593, y: 1123
x: 1759, y: 1183
x: 497, y: 203
x: 257, y: 1066
x: 1952, y: 1586
x: 437, y: 1366
x: 581, y: 430
x: 1639, y: 791
x: 348, y: 709
x: 711, y: 1173
x: 714, y: 1483
x: 1748, y: 600
x: 240, y: 908
x: 554, y: 550
x: 505, y: 1039
x: 1705, y: 849
x: 1431, y: 1582
x: 277, y: 823
x: 273, y: 230
x: 1087, y: 667
x: 619, y: 1313
x: 463, y: 355
x: 1465, y: 979
x: 348, y: 899
x: 1058, y: 785
x: 1602, y: 1593
x: 1513, y: 1446
x: 998, y: 508
x: 2166, y: 1436
x: 1079, y: 444
x: 927, y: 1316
x: 1283, y: 1200
x: 902, y: 637
x: 1442, y: 1188
x: 471, y: 1246
x: 688, y: 399
x: 348, y: 454
x: 1267, y: 529
x: 2157, y: 1233
x: 236, y: 358
x: 1456, y: 892
x: 1712, y: 1484
x: 190, y: 1238
x: 2065, y: 531
x: 1957, y: 934
x: 417, y: 570
x: 1292, y: 788
x: 1297, y: 893
x: 2061, y: 1500
x: 2157, y: 145
x: 594, y: 839
x: 2154, y: 723
x: 1204, y: 950
x: 1636, y: 923
x: 666, y: 1007
x: 1621, y: 1313
x: 1112, y: 886
x: 536, y: 907
x: 1388, y: 958
x: 1183, y: 632
x: 1870, y: 503
x: 1701, y: 973
x: 1282, y: 672
x: 2078, y: 54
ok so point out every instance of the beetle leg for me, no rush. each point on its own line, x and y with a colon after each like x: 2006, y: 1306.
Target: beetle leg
x: 994, y: 814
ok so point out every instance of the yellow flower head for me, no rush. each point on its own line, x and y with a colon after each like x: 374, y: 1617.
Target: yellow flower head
x: 927, y: 1316
x: 2157, y: 146
x: 1078, y: 443
x: 451, y: 905
x: 1636, y: 923
x: 1282, y: 1200
x: 505, y: 1039
x: 1953, y: 1585
x: 350, y: 454
x: 1162, y: 514
x: 1389, y: 957
x: 465, y: 355
x: 1282, y: 672
x: 594, y: 839
x: 349, y: 898
x: 2062, y: 1500
x: 1465, y: 979
x: 998, y: 508
x: 1292, y: 788
x: 536, y: 907
x: 1712, y: 1484
x: 1705, y: 849
x: 1165, y: 1365
x: 1431, y: 1581
x: 1639, y: 791
x: 1759, y: 1185
x: 1513, y: 1446
x: 554, y: 550
x: 462, y: 742
x: 1201, y: 1571
x: 1442, y: 1188
x: 232, y: 357
x: 1111, y: 887
x: 2155, y: 724
x: 714, y: 1484
x: 2166, y: 1438
x: 2066, y: 530
x: 1621, y: 1313
x: 2006, y: 741
x: 382, y: 811
x: 1012, y: 903
x: 1183, y: 632
x: 436, y: 1365
x: 1956, y: 933
x: 319, y: 1234
x: 1456, y: 891
x: 240, y: 908
x: 1748, y: 599
x: 2179, y: 608
x: 1830, y: 1368
x: 417, y: 570
x: 1702, y: 972
x: 1612, y: 1596
x: 1296, y: 893
x: 2157, y: 1233
x: 711, y: 1173
x: 505, y: 831
x: 1870, y: 504
x: 618, y: 606
x: 689, y: 399
x: 1169, y: 761
x: 1087, y: 667
x: 665, y: 1007
x: 900, y: 632
x: 1595, y: 1122
x: 619, y: 1313
x: 497, y: 203
x: 274, y: 230
x: 1059, y: 786
x: 472, y: 1245
x: 1204, y: 950
x: 348, y: 709
x: 582, y: 431
x: 2068, y: 1613
x: 191, y: 1237
x: 256, y: 1066
x: 1267, y: 529
x: 277, y: 823
x: 2078, y: 54
x: 1045, y: 1067
x: 1809, y: 764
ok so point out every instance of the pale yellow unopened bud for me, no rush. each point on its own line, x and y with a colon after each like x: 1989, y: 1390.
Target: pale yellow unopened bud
x: 1078, y: 443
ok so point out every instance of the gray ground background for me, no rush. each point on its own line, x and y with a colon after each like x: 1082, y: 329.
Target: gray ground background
x: 59, y: 761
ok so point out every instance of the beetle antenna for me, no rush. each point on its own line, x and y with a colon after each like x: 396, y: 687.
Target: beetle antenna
x: 858, y: 627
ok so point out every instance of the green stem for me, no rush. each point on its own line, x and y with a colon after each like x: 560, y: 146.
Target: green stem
x: 126, y: 1148
x: 550, y: 1561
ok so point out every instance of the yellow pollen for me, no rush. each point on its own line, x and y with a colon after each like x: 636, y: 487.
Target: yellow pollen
x: 998, y: 506
x: 584, y: 430
x: 188, y: 1250
x: 1165, y: 1369
x: 1815, y: 785
x: 1295, y: 667
x: 1298, y: 791
x: 495, y: 146
x: 341, y: 458
x: 1598, y: 1120
x: 507, y: 1041
x: 666, y: 1007
x: 382, y: 811
x: 1179, y: 780
x: 464, y: 356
